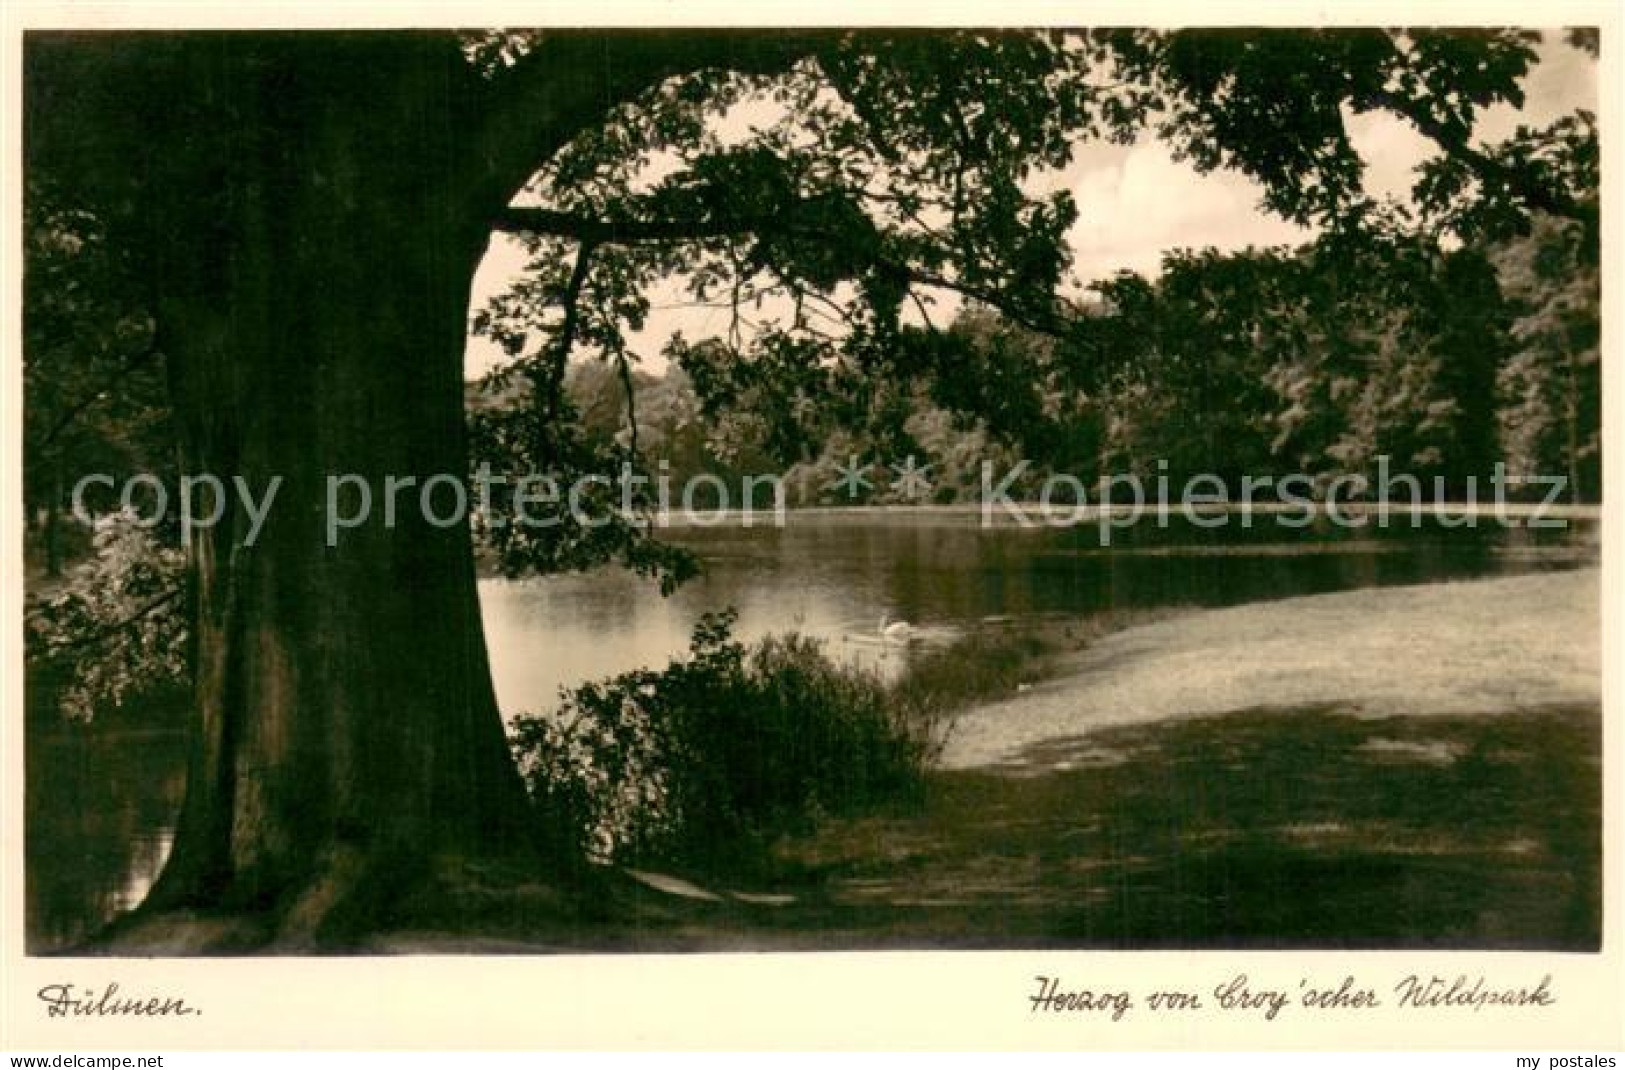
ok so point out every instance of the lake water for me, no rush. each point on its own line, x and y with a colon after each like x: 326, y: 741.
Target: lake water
x: 834, y: 575
x: 100, y: 804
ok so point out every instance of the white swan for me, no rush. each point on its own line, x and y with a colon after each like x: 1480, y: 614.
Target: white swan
x: 896, y: 631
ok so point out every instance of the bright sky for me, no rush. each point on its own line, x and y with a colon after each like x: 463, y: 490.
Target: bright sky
x: 1136, y: 201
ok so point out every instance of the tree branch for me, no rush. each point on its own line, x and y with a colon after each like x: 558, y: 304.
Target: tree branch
x: 1486, y: 167
x: 554, y: 382
x: 573, y: 78
x: 572, y: 300
x: 100, y: 635
x: 628, y: 389
x: 554, y: 223
x: 80, y: 407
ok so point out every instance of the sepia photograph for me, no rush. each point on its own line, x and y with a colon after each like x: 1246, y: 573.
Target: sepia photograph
x: 671, y: 491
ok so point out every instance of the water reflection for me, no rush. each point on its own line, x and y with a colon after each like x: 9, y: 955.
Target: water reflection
x: 100, y: 811
x: 100, y: 804
x: 832, y: 576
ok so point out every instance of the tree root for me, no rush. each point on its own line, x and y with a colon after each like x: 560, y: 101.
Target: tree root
x: 346, y: 894
x: 355, y: 904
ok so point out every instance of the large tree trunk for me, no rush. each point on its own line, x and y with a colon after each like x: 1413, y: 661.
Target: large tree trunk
x: 346, y: 728
x: 312, y: 208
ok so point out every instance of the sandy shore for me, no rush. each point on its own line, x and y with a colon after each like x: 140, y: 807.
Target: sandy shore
x: 1480, y: 647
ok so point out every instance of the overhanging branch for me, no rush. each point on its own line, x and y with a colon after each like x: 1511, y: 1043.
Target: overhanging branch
x: 106, y: 632
x: 588, y: 231
x: 1486, y: 167
x: 573, y: 78
x: 91, y: 398
x: 592, y: 232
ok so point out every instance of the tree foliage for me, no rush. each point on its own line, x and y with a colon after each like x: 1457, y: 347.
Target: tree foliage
x: 827, y: 209
x: 115, y: 631
x: 92, y: 367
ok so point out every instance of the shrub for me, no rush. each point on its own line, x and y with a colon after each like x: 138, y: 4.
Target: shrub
x: 113, y: 635
x: 711, y: 759
x: 982, y: 665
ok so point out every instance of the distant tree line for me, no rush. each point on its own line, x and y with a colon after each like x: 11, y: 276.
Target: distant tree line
x: 1259, y: 363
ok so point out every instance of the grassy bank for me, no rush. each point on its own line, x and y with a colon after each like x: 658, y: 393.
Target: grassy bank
x: 1260, y: 829
x: 1265, y: 828
x: 1414, y: 767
